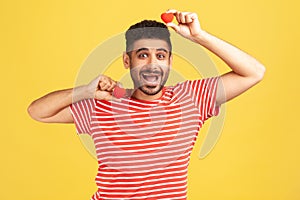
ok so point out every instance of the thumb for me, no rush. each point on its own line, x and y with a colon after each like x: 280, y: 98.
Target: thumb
x: 107, y: 96
x: 175, y: 27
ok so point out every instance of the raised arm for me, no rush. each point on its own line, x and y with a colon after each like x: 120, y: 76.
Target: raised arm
x: 54, y: 107
x: 246, y: 70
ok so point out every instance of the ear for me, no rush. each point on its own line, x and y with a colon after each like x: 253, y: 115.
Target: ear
x: 126, y: 60
x: 171, y: 60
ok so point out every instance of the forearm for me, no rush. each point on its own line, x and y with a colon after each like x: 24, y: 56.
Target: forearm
x: 245, y: 72
x: 54, y: 102
x: 240, y: 62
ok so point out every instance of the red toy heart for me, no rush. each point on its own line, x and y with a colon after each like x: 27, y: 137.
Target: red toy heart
x: 167, y: 17
x: 119, y: 92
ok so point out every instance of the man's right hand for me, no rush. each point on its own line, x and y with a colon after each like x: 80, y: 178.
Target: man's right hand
x: 54, y: 107
x: 101, y: 88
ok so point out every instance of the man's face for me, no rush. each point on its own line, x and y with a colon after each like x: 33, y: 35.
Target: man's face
x: 149, y: 63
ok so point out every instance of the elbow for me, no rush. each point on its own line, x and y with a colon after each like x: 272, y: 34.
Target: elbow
x: 259, y: 73
x: 32, y: 112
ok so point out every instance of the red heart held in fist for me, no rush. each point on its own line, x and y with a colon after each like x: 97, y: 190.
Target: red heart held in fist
x: 119, y: 92
x: 167, y: 17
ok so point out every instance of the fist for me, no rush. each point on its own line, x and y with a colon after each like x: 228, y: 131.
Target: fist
x: 101, y: 88
x: 105, y: 83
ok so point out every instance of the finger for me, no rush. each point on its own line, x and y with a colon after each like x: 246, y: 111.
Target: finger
x: 175, y: 13
x: 175, y: 27
x: 103, y: 85
x: 171, y: 11
x: 103, y: 78
x: 100, y: 95
x: 188, y: 18
x: 182, y: 18
x: 193, y: 16
x: 103, y: 95
x: 112, y: 86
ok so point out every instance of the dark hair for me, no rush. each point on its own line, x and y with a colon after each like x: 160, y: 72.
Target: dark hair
x: 147, y: 29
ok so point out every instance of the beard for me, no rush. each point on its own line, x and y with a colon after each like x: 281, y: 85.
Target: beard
x: 148, y: 90
x: 150, y: 79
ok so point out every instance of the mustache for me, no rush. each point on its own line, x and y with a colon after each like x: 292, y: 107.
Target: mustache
x: 151, y: 71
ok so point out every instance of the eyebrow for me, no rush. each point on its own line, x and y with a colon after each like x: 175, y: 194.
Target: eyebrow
x: 147, y: 49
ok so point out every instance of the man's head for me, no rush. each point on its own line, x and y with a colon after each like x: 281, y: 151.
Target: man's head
x: 148, y: 55
x: 147, y: 29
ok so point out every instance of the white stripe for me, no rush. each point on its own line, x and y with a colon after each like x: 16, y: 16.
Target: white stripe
x: 155, y: 110
x: 147, y: 166
x: 129, y: 115
x: 145, y: 160
x: 130, y: 103
x: 82, y: 117
x: 87, y: 113
x: 127, y: 184
x: 151, y: 170
x: 142, y: 155
x: 152, y: 196
x: 123, y: 130
x: 99, y: 151
x: 175, y: 140
x: 140, y: 192
x: 145, y: 139
x: 78, y: 118
x: 141, y: 137
x: 143, y: 176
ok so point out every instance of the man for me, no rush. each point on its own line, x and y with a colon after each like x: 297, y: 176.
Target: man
x: 143, y: 141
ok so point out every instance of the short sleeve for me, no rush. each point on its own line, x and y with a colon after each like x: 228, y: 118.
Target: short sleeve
x: 82, y: 112
x: 203, y: 93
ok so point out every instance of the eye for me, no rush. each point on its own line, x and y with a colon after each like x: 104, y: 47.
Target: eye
x: 161, y: 56
x: 143, y: 55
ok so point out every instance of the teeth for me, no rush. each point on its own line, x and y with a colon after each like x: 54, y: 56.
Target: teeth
x: 150, y: 78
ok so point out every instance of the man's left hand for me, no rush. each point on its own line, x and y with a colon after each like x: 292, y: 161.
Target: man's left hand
x: 188, y: 24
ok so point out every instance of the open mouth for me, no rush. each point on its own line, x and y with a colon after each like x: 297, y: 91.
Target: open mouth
x: 151, y: 79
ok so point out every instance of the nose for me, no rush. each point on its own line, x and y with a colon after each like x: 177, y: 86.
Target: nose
x: 153, y: 59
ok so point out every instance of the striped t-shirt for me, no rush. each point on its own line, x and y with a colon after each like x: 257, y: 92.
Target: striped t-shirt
x: 143, y: 147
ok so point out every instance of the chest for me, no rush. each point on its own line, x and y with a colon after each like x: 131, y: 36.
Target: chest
x: 133, y: 131
x: 143, y: 119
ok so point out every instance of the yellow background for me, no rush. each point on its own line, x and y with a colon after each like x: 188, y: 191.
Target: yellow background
x: 43, y: 44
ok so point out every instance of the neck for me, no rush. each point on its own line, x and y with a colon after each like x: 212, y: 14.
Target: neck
x: 138, y: 94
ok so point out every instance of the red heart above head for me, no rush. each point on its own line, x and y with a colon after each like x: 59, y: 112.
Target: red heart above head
x: 167, y: 17
x: 119, y: 92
